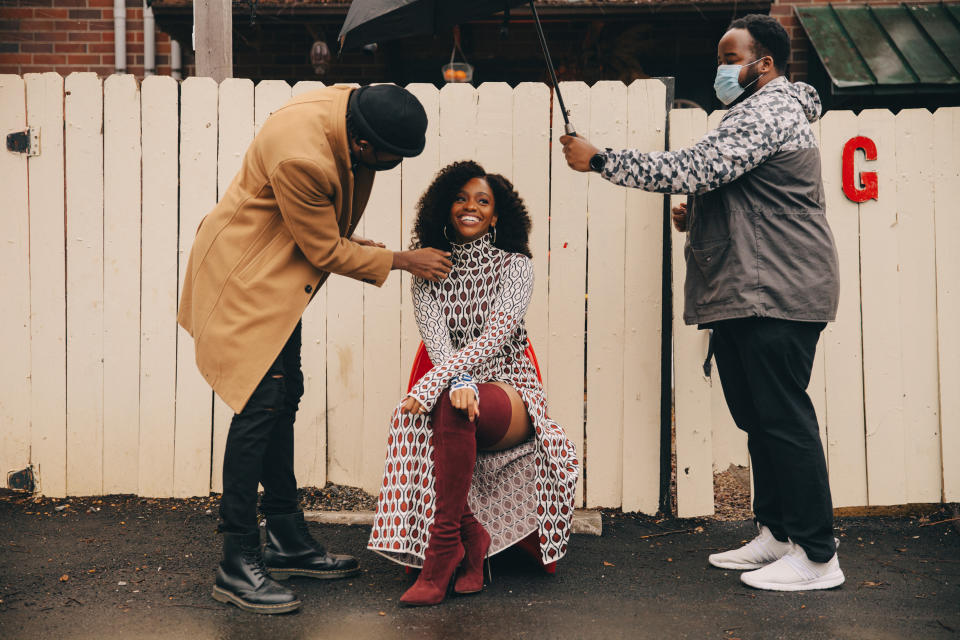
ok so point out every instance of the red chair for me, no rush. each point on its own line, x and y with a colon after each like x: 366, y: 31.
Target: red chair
x: 421, y: 365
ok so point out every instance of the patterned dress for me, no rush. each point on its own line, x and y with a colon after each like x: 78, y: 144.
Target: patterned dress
x: 472, y: 322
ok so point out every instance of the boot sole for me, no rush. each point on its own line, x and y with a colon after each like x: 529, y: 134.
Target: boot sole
x: 830, y: 581
x: 284, y: 574
x: 222, y: 595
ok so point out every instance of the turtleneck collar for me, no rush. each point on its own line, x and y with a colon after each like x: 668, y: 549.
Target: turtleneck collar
x: 479, y: 247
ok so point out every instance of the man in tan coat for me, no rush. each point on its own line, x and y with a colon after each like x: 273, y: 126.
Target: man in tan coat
x: 283, y: 226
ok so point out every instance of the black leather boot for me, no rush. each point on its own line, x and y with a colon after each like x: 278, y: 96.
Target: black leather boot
x: 242, y: 579
x: 292, y: 551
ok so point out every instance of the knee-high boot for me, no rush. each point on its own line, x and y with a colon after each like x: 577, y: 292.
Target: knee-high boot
x: 476, y: 542
x: 454, y: 456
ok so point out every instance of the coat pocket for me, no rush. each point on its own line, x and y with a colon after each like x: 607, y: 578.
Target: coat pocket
x: 262, y: 257
x: 709, y: 256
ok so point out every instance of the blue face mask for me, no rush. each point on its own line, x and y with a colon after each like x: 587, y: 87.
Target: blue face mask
x: 727, y: 83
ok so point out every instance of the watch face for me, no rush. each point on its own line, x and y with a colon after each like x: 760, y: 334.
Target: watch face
x: 597, y: 162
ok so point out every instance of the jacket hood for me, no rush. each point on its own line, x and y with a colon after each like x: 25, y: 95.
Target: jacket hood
x: 808, y: 98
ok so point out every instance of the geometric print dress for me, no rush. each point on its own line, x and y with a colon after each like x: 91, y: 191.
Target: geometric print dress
x: 472, y: 322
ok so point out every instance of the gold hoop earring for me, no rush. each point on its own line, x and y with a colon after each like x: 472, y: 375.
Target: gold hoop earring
x: 493, y: 232
x: 445, y: 234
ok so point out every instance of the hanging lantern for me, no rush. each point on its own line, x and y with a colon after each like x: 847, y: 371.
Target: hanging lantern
x: 320, y: 57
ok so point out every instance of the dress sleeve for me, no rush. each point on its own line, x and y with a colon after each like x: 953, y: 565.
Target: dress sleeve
x: 430, y: 321
x: 506, y: 313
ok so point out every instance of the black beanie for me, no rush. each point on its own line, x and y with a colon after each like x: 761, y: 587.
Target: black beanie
x: 389, y: 117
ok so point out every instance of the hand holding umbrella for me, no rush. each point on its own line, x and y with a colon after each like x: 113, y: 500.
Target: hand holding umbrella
x: 577, y: 151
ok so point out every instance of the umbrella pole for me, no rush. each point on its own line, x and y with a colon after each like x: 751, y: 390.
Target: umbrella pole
x: 553, y: 74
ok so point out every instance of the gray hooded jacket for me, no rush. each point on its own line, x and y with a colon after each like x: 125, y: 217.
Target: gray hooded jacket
x: 759, y: 244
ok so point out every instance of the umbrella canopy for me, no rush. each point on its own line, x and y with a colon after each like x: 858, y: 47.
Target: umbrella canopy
x: 378, y: 20
x: 371, y: 21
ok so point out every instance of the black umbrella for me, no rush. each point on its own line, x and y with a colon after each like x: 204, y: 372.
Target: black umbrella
x: 371, y: 21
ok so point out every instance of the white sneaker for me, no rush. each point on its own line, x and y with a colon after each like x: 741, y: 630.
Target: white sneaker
x: 757, y: 553
x: 796, y: 572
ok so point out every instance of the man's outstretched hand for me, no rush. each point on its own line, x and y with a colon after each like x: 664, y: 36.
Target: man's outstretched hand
x: 578, y: 152
x: 429, y: 264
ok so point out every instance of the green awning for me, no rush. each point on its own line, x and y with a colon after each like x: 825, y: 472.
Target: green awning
x: 906, y: 48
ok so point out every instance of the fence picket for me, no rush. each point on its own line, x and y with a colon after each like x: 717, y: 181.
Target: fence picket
x: 918, y: 303
x: 345, y: 408
x: 882, y: 326
x: 729, y: 442
x: 817, y: 387
x: 606, y: 220
x: 48, y: 330
x: 310, y: 434
x: 494, y: 125
x: 198, y: 195
x: 15, y: 283
x: 693, y: 415
x: 381, y: 333
x: 158, y: 286
x: 458, y: 123
x: 234, y: 135
x: 531, y: 178
x: 568, y: 253
x: 946, y: 161
x: 83, y: 114
x: 416, y: 175
x: 269, y: 96
x: 840, y: 344
x: 643, y: 304
x: 121, y: 284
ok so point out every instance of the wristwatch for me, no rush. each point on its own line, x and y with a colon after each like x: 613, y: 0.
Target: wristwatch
x: 598, y: 161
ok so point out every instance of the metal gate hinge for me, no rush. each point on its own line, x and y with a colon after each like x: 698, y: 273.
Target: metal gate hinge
x: 27, y: 142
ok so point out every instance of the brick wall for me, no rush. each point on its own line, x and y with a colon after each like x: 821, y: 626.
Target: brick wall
x: 801, y: 53
x: 72, y: 35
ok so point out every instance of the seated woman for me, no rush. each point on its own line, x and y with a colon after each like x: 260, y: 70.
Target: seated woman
x: 477, y: 422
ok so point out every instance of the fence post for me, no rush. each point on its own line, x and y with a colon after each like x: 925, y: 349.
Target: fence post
x: 666, y: 333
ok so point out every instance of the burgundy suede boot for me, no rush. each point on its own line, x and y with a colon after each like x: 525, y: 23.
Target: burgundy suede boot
x: 476, y: 541
x: 454, y: 455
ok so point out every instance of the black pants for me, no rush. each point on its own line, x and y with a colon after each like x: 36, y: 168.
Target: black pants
x: 764, y: 366
x: 260, y: 446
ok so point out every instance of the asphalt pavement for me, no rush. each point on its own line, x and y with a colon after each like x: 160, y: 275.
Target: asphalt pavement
x: 133, y: 568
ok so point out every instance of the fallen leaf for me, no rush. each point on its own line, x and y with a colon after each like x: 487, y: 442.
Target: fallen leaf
x: 902, y: 549
x: 873, y: 583
x: 383, y: 613
x: 669, y: 559
x: 608, y: 564
x: 64, y: 578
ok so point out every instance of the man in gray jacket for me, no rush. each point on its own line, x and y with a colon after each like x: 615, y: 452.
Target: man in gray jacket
x: 762, y: 274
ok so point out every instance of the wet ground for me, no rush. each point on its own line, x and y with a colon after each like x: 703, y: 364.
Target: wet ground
x: 143, y: 569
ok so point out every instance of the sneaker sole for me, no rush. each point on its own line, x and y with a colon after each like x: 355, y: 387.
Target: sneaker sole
x: 222, y: 595
x: 737, y: 566
x: 829, y: 581
x: 284, y: 574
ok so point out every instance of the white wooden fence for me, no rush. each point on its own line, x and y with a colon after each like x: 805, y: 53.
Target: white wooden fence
x: 98, y: 388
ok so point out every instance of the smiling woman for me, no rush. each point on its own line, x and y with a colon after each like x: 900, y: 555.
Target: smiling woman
x: 474, y: 465
x: 459, y: 188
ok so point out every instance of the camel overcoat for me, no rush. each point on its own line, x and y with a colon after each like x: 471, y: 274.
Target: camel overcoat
x: 280, y: 229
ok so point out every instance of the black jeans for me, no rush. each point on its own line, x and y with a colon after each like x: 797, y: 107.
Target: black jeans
x: 764, y: 366
x: 260, y: 446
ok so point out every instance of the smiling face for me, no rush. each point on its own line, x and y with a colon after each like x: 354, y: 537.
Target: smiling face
x: 472, y: 212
